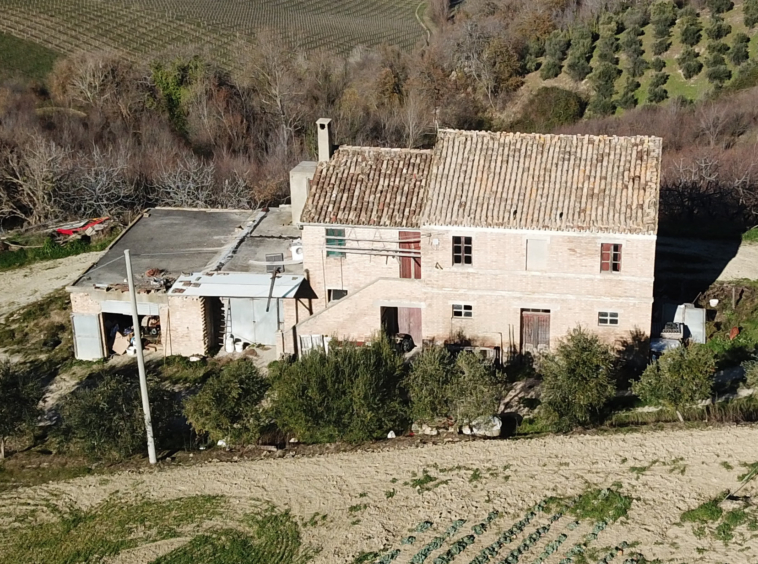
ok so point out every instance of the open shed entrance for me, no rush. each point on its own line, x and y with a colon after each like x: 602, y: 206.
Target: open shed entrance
x: 119, y: 330
x: 402, y: 321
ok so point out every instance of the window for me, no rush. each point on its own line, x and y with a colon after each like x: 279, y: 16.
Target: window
x: 610, y: 257
x: 335, y: 238
x: 463, y: 310
x: 536, y: 254
x: 608, y: 318
x: 462, y: 250
x: 334, y: 295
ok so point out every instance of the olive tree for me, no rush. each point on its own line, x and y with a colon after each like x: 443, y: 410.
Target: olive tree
x: 228, y: 405
x: 578, y: 380
x: 680, y: 377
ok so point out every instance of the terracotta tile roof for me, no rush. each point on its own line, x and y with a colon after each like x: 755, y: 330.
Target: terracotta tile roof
x: 556, y: 182
x: 369, y: 186
x: 490, y: 179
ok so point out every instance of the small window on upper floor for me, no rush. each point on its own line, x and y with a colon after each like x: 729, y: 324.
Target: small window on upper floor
x: 334, y: 294
x: 335, y: 238
x: 610, y: 257
x: 462, y: 250
x: 607, y: 318
x: 463, y: 310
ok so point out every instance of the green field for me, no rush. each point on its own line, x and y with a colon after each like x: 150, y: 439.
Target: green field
x: 219, y: 28
x: 24, y: 59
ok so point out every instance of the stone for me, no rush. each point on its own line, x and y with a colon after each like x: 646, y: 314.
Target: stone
x: 391, y: 435
x: 427, y: 430
x: 466, y: 430
x: 487, y: 426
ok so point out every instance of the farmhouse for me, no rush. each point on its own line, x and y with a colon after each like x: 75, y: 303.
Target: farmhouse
x: 508, y: 239
x: 205, y: 279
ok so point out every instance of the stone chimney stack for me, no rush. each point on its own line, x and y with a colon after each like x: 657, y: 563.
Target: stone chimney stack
x: 324, y: 127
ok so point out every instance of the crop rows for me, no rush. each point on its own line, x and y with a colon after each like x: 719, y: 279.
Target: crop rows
x: 221, y: 27
x: 512, y: 546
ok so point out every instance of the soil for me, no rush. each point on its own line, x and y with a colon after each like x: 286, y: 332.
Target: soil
x: 28, y: 284
x: 689, y: 470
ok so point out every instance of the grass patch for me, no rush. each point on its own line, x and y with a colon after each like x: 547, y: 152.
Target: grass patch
x: 105, y: 530
x: 14, y: 476
x: 607, y: 505
x: 751, y: 471
x: 51, y: 250
x: 24, y: 59
x: 357, y: 508
x: 726, y: 465
x: 707, y: 512
x: 389, y: 494
x: 640, y: 470
x: 274, y: 537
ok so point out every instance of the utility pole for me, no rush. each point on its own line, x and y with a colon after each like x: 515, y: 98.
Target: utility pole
x: 140, y: 360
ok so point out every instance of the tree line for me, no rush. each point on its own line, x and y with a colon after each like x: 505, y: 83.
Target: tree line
x: 106, y: 136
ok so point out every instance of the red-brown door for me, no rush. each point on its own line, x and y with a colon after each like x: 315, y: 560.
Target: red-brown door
x: 409, y: 322
x: 535, y: 331
x: 410, y: 266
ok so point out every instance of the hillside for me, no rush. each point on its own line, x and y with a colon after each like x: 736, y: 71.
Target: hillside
x: 219, y: 27
x: 609, y: 47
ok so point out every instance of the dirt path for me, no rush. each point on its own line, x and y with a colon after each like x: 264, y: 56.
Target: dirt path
x: 714, y: 260
x: 690, y: 469
x: 28, y: 284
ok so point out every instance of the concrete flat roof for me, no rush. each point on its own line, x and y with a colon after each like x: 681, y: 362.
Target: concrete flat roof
x: 275, y: 234
x: 172, y: 240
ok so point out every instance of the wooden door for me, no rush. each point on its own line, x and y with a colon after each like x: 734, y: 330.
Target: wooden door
x: 409, y: 322
x: 410, y: 267
x: 535, y: 331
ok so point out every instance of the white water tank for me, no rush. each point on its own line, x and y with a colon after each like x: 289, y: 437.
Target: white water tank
x: 296, y: 248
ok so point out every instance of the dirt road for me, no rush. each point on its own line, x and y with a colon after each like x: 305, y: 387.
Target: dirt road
x: 667, y: 472
x: 28, y: 284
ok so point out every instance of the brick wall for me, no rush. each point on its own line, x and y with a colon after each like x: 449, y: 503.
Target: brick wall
x: 82, y: 302
x: 497, y: 285
x: 182, y: 326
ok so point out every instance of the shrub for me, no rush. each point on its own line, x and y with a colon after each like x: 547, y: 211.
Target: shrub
x: 427, y: 383
x: 680, y: 377
x: 476, y: 390
x: 689, y: 63
x: 717, y: 47
x: 658, y: 64
x: 750, y: 13
x: 661, y: 46
x: 631, y: 43
x: 739, y: 53
x: 691, y: 31
x: 656, y: 95
x: 228, y: 404
x: 351, y: 393
x: 603, y: 79
x: 715, y: 60
x: 751, y: 374
x: 19, y: 396
x: 550, y: 69
x: 606, y: 49
x: 659, y: 79
x: 578, y: 380
x: 578, y: 68
x: 602, y: 105
x: 534, y: 50
x: 549, y: 108
x: 718, y: 75
x: 104, y: 418
x: 637, y: 67
x: 628, y: 100
x: 637, y: 17
x: 662, y: 16
x: 556, y: 46
x: 719, y: 6
x: 718, y: 29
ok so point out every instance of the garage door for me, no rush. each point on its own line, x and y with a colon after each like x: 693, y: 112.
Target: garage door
x: 88, y: 343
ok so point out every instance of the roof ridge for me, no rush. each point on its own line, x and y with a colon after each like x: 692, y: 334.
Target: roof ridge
x: 449, y: 131
x: 387, y: 149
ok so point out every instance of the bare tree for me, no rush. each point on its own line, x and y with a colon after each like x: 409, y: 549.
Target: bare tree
x: 188, y: 184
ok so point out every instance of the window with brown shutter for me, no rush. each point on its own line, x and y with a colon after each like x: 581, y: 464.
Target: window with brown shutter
x: 610, y: 257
